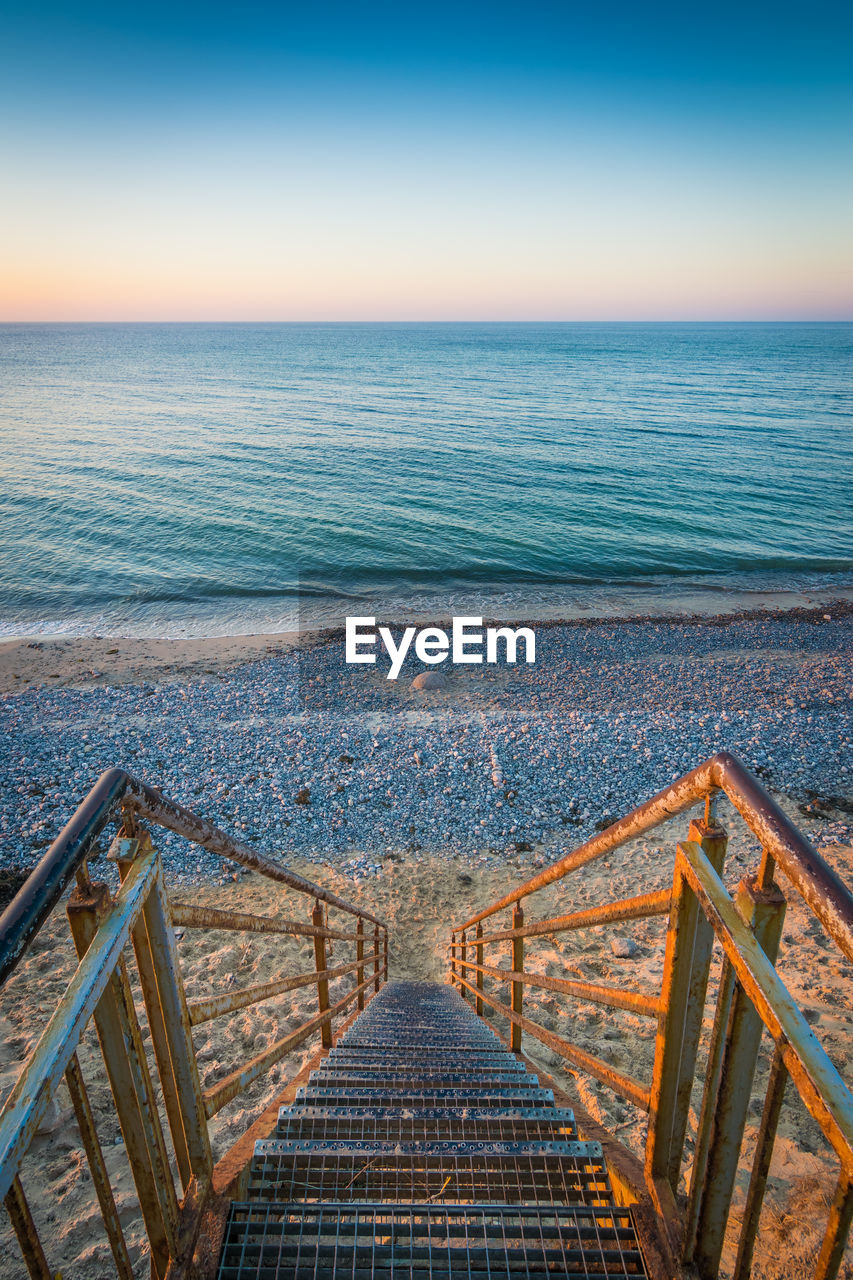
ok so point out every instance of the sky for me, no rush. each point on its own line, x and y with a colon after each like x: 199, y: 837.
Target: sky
x: 334, y: 161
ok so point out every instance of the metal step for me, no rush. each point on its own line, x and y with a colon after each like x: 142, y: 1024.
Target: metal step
x: 510, y: 1173
x: 427, y: 1124
x: 442, y: 1242
x: 474, y: 1096
x: 404, y: 1078
x: 422, y: 1149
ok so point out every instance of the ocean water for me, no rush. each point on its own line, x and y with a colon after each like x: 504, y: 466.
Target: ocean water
x: 230, y: 478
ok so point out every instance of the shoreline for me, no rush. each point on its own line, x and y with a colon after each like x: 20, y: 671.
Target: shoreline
x: 87, y: 662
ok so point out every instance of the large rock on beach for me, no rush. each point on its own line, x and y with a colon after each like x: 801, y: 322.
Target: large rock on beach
x: 430, y: 680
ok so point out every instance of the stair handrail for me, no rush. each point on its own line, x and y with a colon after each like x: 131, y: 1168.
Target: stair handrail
x: 813, y: 878
x: 37, y: 897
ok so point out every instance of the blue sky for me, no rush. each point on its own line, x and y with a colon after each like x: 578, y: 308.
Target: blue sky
x: 471, y: 161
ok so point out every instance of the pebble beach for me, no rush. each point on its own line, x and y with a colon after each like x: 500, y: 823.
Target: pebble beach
x: 306, y: 757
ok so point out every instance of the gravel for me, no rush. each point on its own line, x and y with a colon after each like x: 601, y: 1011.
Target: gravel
x: 305, y: 757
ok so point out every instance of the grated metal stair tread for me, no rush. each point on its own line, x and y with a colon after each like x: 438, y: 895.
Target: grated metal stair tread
x: 422, y: 1147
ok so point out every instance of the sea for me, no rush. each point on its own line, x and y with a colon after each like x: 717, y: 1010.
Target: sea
x: 228, y: 479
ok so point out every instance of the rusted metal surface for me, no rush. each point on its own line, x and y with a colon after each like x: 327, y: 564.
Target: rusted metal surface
x: 190, y: 916
x: 97, y: 1168
x: 689, y: 941
x: 713, y: 1069
x: 639, y: 908
x: 479, y: 952
x: 596, y: 993
x: 26, y: 1232
x: 204, y: 1009
x: 761, y: 1165
x: 220, y: 1095
x: 658, y: 1224
x: 823, y: 1091
x: 129, y: 849
x: 203, y: 1220
x: 602, y: 1071
x: 149, y: 1115
x: 87, y: 918
x: 359, y: 960
x: 173, y: 1003
x: 26, y: 1105
x: 818, y: 884
x: 322, y: 983
x: 517, y: 988
x: 34, y: 902
x: 837, y: 1230
x: 763, y: 914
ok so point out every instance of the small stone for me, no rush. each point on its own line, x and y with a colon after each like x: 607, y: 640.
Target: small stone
x: 52, y: 1119
x: 429, y: 680
x: 624, y: 948
x: 303, y: 796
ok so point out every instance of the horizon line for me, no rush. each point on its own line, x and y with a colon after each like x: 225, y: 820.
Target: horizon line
x: 451, y: 320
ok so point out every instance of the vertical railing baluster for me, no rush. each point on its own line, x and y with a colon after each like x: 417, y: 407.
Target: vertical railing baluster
x: 376, y: 983
x: 713, y: 1067
x: 764, y: 911
x: 84, y: 914
x: 690, y: 940
x: 320, y: 967
x: 463, y: 964
x: 126, y: 850
x: 761, y: 1164
x: 359, y: 955
x: 173, y: 1005
x: 838, y: 1228
x: 98, y: 1168
x: 26, y: 1232
x: 517, y: 987
x: 480, y: 966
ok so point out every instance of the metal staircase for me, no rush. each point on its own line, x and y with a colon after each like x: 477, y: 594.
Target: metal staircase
x: 422, y: 1147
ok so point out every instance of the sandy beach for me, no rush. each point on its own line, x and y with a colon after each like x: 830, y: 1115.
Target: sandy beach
x: 424, y: 808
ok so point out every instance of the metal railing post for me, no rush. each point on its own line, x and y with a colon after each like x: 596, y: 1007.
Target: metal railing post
x: 26, y: 1232
x: 98, y: 1168
x: 764, y: 911
x: 124, y: 851
x: 376, y: 963
x: 153, y: 1181
x: 320, y: 967
x: 385, y: 954
x: 453, y: 982
x: 480, y: 968
x: 517, y: 987
x: 838, y: 1228
x: 359, y: 955
x: 761, y: 1165
x: 463, y: 965
x: 690, y: 940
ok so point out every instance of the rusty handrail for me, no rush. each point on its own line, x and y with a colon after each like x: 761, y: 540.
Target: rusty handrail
x: 35, y: 900
x: 813, y: 878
